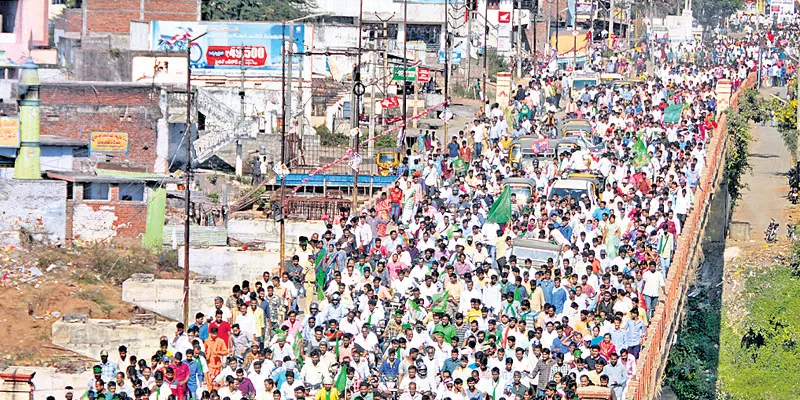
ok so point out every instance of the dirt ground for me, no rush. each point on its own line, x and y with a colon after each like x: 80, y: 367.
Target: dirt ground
x: 39, y: 285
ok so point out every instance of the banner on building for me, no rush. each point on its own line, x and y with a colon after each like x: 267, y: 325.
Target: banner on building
x: 159, y: 70
x: 108, y: 142
x: 229, y: 46
x: 9, y: 132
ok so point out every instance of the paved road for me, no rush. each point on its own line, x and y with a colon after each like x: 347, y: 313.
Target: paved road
x: 765, y: 196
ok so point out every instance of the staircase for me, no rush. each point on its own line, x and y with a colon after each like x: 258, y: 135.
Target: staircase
x: 223, y: 126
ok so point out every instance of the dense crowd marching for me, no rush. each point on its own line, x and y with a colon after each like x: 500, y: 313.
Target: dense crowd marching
x: 421, y: 296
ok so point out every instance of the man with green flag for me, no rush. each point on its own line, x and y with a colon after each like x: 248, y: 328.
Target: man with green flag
x: 500, y: 211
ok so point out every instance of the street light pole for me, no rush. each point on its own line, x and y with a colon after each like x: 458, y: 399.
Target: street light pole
x: 187, y: 179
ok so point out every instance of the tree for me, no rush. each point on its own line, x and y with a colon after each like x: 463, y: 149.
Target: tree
x: 255, y: 10
x: 711, y: 12
x: 786, y: 122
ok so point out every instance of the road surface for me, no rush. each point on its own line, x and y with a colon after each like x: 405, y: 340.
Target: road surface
x: 767, y: 187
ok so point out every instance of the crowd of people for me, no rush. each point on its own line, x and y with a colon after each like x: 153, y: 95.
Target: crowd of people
x: 422, y: 296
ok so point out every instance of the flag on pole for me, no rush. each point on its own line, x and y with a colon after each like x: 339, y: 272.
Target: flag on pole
x: 341, y: 380
x: 320, y: 278
x: 640, y: 155
x: 500, y: 212
x: 439, y: 302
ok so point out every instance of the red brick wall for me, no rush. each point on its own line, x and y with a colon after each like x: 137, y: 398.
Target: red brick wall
x: 70, y: 20
x: 77, y: 110
x: 114, y: 16
x: 129, y: 219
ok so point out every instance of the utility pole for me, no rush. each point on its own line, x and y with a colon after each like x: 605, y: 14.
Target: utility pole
x: 446, y: 65
x: 405, y: 73
x: 611, y: 25
x: 283, y: 147
x: 558, y: 27
x: 469, y: 46
x: 187, y: 179
x: 385, y: 63
x: 485, y: 52
x: 355, y: 109
x: 519, y: 38
x: 239, y: 150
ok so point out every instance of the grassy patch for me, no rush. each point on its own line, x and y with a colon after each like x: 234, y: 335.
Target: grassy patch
x: 759, y: 355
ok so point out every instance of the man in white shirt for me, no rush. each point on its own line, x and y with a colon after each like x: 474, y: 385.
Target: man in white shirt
x: 653, y: 286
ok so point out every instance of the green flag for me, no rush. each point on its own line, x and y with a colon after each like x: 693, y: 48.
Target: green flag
x: 673, y: 113
x: 297, y: 348
x: 320, y: 274
x: 341, y: 380
x: 413, y: 304
x: 439, y: 302
x: 460, y: 166
x: 500, y: 212
x: 640, y: 156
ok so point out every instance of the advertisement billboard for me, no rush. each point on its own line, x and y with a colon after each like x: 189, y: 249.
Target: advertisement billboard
x: 159, y: 70
x: 227, y: 45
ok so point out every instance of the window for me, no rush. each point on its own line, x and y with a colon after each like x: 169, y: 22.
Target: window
x: 131, y: 192
x: 96, y: 191
x: 70, y: 188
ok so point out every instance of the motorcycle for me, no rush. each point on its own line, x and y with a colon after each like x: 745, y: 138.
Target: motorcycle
x: 771, y: 233
x: 793, y: 195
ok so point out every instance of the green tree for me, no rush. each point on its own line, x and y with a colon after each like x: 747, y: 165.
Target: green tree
x: 737, y: 160
x: 255, y: 10
x: 711, y: 12
x: 786, y: 122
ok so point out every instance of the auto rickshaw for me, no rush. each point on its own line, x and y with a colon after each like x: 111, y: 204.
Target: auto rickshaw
x: 523, y: 188
x: 577, y: 127
x: 597, y: 179
x: 625, y: 83
x: 521, y: 154
x: 387, y: 161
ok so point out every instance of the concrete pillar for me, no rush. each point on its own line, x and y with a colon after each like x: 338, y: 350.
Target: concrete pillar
x: 28, y: 164
x: 239, y: 160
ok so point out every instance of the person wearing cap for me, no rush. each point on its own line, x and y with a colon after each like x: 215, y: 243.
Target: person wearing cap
x: 109, y: 369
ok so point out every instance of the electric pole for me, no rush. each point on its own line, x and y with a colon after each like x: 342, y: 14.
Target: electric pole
x: 358, y: 91
x: 485, y: 52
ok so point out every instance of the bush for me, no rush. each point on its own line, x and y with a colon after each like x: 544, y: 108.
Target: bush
x: 333, y: 139
x: 759, y: 354
x: 389, y: 140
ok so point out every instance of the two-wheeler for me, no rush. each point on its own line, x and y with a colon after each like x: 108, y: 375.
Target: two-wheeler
x: 771, y: 233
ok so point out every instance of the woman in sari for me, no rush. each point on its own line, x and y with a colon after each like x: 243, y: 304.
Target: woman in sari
x: 382, y: 207
x: 611, y: 234
x: 409, y: 201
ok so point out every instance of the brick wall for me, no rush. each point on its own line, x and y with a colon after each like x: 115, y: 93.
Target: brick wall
x: 106, y: 221
x: 77, y: 110
x: 70, y: 20
x: 114, y: 16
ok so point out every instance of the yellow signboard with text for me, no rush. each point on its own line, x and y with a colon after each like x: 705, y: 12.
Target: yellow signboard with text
x: 9, y: 132
x: 109, y: 142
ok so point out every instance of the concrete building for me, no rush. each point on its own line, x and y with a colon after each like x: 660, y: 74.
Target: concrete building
x: 120, y: 121
x: 119, y: 206
x: 23, y: 27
